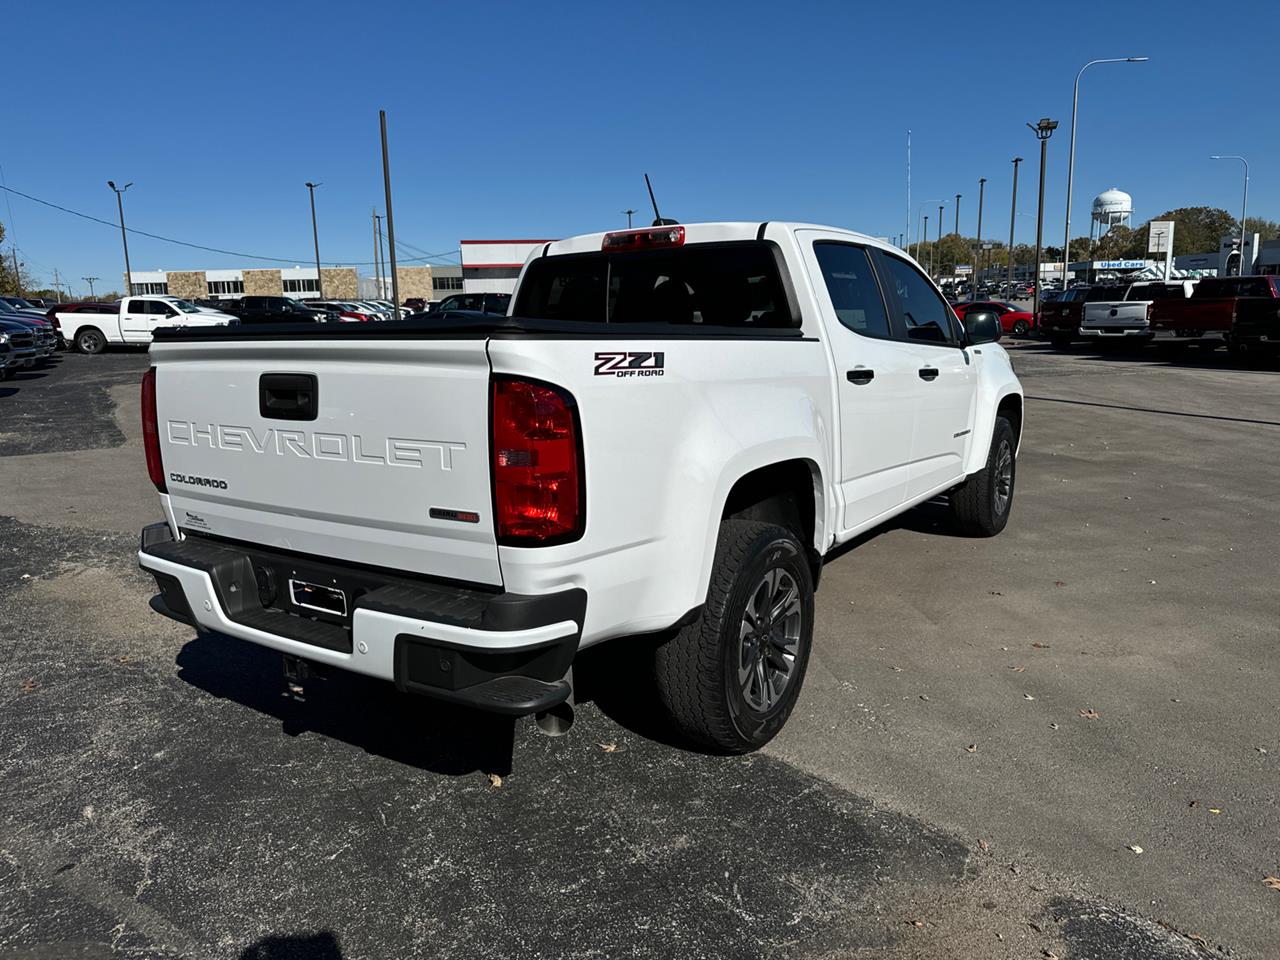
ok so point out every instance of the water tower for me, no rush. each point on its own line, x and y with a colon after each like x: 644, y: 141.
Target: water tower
x: 1110, y: 207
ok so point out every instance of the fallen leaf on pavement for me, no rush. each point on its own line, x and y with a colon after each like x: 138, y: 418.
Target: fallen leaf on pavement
x: 1027, y: 696
x: 983, y: 845
x: 1272, y: 882
x: 1053, y: 726
x: 1017, y: 669
x: 1193, y: 803
x: 609, y: 747
x: 914, y: 923
x: 495, y: 781
x: 1059, y: 583
x: 1215, y: 809
x: 124, y: 658
x: 1040, y: 646
x: 1135, y: 848
x: 971, y: 748
x: 1049, y: 955
x: 1090, y: 714
x: 1262, y: 750
x: 30, y: 685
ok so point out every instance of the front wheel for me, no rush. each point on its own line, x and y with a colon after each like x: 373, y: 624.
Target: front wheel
x: 980, y: 506
x: 730, y: 679
x: 1021, y: 328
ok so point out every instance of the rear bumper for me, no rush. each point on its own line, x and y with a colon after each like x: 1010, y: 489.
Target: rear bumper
x: 502, y: 652
x: 1102, y: 331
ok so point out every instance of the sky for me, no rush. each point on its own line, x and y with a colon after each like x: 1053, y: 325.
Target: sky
x: 531, y: 120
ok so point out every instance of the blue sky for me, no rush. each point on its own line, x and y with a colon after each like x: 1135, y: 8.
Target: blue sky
x: 539, y: 119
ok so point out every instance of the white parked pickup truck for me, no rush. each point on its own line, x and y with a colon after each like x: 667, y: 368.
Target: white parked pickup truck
x: 1127, y: 315
x: 133, y: 320
x: 667, y: 435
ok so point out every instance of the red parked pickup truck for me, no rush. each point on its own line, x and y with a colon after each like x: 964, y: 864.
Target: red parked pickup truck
x: 1060, y: 319
x: 1210, y: 315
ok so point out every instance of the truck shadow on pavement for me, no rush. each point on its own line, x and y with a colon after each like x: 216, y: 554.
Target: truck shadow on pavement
x: 313, y: 946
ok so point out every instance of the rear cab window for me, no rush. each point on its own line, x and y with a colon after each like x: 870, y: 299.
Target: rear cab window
x: 853, y: 288
x: 926, y: 318
x: 737, y: 284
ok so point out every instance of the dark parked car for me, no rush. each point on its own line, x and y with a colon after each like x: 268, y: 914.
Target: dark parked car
x: 273, y: 310
x: 21, y: 341
x: 478, y: 302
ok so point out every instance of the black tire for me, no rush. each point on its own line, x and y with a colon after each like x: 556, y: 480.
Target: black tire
x: 1060, y: 341
x: 1021, y: 328
x: 980, y: 506
x: 90, y: 340
x: 697, y: 671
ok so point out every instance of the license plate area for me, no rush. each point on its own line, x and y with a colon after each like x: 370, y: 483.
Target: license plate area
x: 318, y: 598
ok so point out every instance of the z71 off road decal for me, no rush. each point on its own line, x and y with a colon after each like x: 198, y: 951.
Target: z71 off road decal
x: 634, y: 364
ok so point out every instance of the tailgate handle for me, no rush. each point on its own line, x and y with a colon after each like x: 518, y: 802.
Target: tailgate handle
x: 288, y: 396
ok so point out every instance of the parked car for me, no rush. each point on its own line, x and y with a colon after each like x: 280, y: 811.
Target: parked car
x: 132, y: 320
x: 1129, y: 317
x: 415, y: 304
x: 779, y: 389
x: 45, y: 337
x: 1060, y: 319
x: 342, y: 311
x: 21, y: 341
x: 1013, y: 319
x: 498, y: 303
x: 255, y: 309
x: 1217, y: 304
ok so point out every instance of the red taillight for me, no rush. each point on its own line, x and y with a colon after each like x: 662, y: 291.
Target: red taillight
x: 537, y: 465
x: 151, y: 430
x: 647, y: 239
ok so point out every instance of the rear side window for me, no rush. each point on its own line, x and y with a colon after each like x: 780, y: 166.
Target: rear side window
x: 855, y: 295
x: 1103, y: 294
x: 925, y: 315
x: 722, y: 285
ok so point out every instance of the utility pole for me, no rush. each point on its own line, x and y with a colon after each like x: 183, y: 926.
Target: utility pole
x: 382, y: 254
x: 124, y: 238
x: 57, y: 283
x: 629, y: 214
x: 907, y: 235
x: 377, y: 252
x: 977, y: 260
x: 1013, y: 213
x: 90, y: 281
x: 391, y: 224
x: 1043, y: 131
x: 315, y: 236
x: 17, y: 275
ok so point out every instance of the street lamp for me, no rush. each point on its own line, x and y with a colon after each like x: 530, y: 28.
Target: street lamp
x: 1013, y: 213
x: 315, y: 236
x: 1071, y: 156
x: 630, y: 214
x: 124, y: 239
x: 982, y: 188
x: 957, y: 214
x: 1244, y: 205
x: 1043, y: 131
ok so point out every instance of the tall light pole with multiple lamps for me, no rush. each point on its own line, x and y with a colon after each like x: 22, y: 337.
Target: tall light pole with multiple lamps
x: 1244, y: 204
x: 1071, y: 157
x: 977, y: 265
x: 1043, y: 131
x: 124, y: 239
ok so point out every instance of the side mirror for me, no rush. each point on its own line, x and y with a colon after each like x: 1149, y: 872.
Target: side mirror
x: 981, y: 326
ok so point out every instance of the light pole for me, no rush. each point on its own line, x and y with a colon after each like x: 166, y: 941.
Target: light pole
x: 124, y: 239
x: 1013, y: 213
x: 1071, y: 160
x: 937, y: 249
x: 1043, y: 131
x: 630, y: 214
x: 982, y: 187
x: 957, y: 214
x: 1244, y: 204
x: 90, y: 280
x: 926, y: 236
x: 923, y: 236
x: 315, y: 236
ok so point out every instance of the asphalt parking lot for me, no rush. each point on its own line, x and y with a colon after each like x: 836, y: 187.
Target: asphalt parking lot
x: 990, y: 731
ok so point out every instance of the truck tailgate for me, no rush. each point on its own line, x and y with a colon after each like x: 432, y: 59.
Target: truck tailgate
x: 369, y: 451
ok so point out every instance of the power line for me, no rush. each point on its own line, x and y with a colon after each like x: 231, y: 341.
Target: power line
x: 198, y: 246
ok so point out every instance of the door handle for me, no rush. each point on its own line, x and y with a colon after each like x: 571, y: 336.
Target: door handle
x: 860, y: 375
x: 288, y: 396
x: 928, y: 373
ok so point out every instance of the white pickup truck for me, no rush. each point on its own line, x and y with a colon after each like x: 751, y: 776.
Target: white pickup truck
x: 133, y: 320
x: 1127, y: 316
x: 667, y: 434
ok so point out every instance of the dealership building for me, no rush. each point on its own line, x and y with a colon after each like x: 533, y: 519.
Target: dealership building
x: 428, y: 282
x: 492, y: 266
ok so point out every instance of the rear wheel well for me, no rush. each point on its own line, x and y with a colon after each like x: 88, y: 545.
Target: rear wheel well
x: 1011, y: 409
x: 783, y: 493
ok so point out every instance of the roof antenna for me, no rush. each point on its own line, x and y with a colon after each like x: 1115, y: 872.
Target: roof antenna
x: 658, y: 220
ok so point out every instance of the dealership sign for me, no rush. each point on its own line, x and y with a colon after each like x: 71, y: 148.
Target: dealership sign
x: 1119, y: 264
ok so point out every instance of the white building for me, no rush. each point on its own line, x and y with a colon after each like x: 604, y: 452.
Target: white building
x: 492, y: 266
